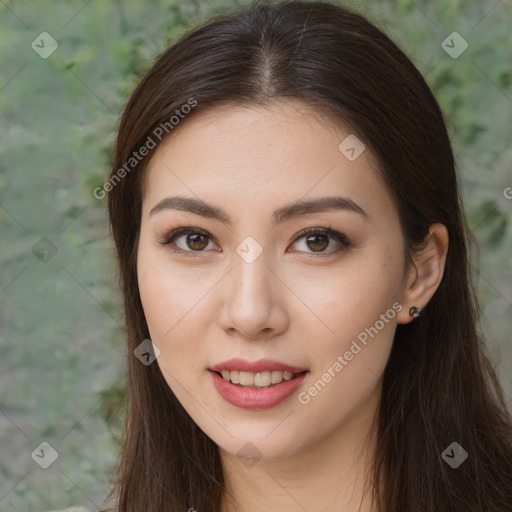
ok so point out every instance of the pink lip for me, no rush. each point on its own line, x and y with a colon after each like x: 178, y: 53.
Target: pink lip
x: 256, y: 398
x: 261, y: 365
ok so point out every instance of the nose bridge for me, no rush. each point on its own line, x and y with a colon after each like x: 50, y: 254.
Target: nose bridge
x: 251, y: 284
x: 253, y: 303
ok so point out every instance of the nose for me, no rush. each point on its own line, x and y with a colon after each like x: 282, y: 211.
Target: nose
x: 254, y: 305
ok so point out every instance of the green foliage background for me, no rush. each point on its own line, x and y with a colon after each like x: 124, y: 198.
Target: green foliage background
x: 62, y: 351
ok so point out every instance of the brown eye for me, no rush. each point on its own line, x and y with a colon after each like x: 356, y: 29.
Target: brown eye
x: 196, y: 242
x: 317, y: 242
x: 187, y: 240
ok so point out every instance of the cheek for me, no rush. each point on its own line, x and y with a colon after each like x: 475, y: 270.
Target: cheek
x: 173, y: 301
x: 349, y: 360
x: 345, y: 301
x: 355, y: 321
x: 171, y: 306
x: 358, y: 336
x: 170, y: 293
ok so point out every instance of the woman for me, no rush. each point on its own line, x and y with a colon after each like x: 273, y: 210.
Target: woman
x: 284, y: 204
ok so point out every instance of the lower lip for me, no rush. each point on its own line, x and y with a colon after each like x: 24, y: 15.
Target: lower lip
x: 256, y: 398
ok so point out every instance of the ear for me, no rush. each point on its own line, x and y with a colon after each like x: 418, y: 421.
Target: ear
x: 425, y: 273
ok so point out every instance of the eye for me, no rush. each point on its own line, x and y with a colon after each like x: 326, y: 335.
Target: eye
x: 318, y: 239
x: 194, y: 240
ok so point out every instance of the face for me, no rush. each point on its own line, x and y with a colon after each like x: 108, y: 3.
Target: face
x: 261, y: 273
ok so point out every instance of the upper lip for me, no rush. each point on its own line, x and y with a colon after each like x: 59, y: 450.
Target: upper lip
x: 260, y: 365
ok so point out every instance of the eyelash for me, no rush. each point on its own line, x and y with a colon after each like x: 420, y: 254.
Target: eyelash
x: 169, y: 238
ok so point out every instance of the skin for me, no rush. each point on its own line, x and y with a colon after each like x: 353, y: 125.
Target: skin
x: 291, y: 304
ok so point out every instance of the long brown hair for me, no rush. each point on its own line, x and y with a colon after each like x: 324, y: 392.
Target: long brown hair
x: 438, y: 386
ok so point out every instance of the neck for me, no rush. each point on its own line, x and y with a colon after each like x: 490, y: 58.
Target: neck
x: 331, y: 474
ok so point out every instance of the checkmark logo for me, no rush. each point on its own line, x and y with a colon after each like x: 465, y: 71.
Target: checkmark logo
x: 44, y: 45
x: 44, y: 250
x: 45, y: 455
x: 454, y: 45
x: 454, y: 455
x: 249, y: 250
x: 146, y: 352
x: 351, y: 147
x: 249, y: 454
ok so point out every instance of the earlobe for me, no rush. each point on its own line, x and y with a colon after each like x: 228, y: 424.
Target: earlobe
x: 415, y: 311
x: 425, y: 274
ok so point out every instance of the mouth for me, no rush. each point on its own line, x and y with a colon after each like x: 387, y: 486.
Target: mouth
x: 257, y: 385
x: 254, y: 385
x: 258, y: 380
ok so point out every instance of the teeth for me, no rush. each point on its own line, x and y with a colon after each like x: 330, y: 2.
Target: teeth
x: 276, y: 376
x: 246, y: 379
x: 259, y: 380
x: 262, y: 379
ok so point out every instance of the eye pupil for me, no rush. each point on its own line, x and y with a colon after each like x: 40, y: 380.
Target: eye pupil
x: 196, y: 240
x: 318, y: 245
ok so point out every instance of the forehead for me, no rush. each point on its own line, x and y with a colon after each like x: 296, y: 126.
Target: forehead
x: 285, y: 129
x: 284, y: 150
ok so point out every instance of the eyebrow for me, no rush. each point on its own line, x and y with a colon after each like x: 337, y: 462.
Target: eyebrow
x: 199, y: 207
